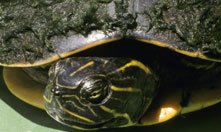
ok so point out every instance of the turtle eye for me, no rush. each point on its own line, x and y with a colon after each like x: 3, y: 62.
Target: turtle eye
x: 95, y: 90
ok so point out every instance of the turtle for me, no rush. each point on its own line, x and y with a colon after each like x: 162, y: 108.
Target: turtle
x: 99, y: 64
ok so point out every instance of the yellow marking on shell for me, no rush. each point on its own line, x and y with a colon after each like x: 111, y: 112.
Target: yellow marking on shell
x: 74, y: 114
x: 88, y: 46
x: 115, y: 114
x: 37, y: 63
x: 197, y: 54
x: 128, y: 89
x: 82, y: 67
x: 55, y: 57
x: 136, y: 64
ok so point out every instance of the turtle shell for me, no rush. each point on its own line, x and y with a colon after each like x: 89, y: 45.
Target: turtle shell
x: 36, y: 33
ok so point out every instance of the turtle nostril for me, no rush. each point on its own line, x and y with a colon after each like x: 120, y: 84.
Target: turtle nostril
x: 55, y: 90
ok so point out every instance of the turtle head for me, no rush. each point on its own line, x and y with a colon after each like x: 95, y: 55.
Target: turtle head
x: 91, y: 93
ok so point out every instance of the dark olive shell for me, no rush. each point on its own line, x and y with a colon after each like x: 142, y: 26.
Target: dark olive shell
x: 39, y: 32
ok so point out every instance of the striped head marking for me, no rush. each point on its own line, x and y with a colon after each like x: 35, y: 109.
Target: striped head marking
x: 92, y: 93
